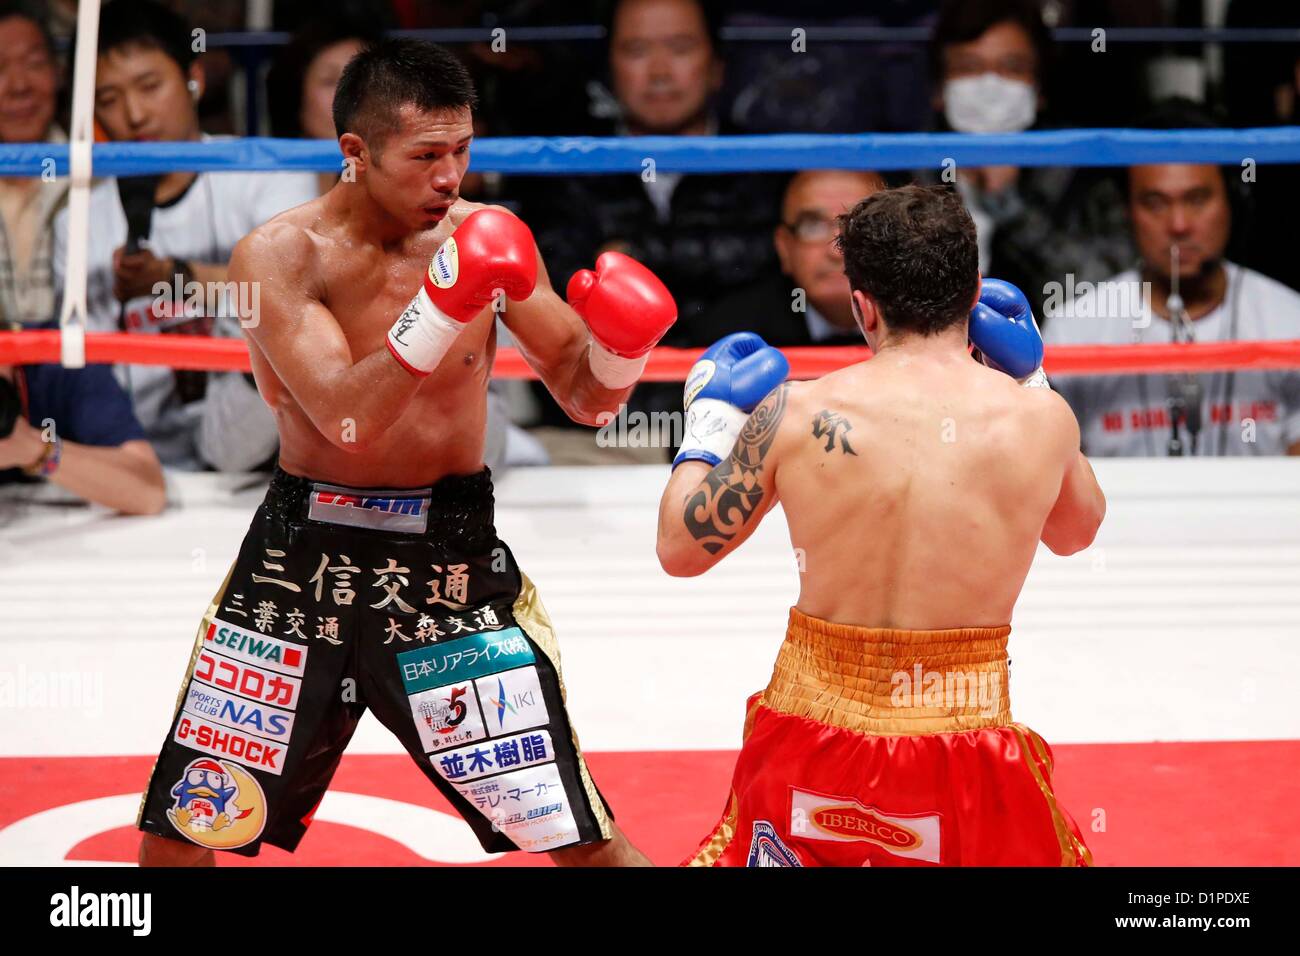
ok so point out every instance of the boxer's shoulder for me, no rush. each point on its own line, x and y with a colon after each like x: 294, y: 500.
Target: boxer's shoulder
x: 789, y: 406
x: 293, y: 226
x: 281, y: 245
x: 776, y: 404
x: 831, y: 388
x: 1048, y: 406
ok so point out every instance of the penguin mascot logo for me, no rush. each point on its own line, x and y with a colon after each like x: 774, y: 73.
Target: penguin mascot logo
x: 219, y: 804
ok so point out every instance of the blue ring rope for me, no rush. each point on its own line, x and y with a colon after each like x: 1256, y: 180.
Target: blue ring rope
x: 771, y: 33
x: 703, y: 154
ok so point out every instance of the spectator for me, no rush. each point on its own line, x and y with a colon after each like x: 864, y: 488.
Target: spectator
x: 221, y: 107
x: 1182, y: 218
x: 991, y: 63
x: 300, y: 91
x: 704, y: 235
x: 300, y: 84
x: 28, y: 91
x: 75, y: 428
x: 530, y: 89
x: 828, y: 85
x: 807, y: 302
x: 146, y: 88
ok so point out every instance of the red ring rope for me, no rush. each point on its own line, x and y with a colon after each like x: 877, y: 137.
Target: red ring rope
x: 671, y: 365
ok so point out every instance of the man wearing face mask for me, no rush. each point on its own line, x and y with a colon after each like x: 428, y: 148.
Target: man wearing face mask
x: 990, y: 61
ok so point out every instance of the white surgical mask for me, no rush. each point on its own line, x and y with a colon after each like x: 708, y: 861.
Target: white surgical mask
x: 989, y: 103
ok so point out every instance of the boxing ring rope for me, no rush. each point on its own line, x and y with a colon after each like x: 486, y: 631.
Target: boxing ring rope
x: 81, y: 136
x: 698, y: 154
x: 672, y: 364
x: 838, y: 33
x: 782, y: 152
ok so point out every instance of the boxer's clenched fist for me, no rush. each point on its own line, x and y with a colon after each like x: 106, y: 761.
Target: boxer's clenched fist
x: 490, y: 250
x: 1002, y: 327
x: 729, y: 380
x: 627, y: 309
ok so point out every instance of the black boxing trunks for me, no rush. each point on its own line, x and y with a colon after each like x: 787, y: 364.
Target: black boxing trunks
x: 404, y: 602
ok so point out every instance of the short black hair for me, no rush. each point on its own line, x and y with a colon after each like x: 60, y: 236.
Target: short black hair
x: 387, y: 75
x: 1179, y: 112
x: 961, y: 21
x: 285, y: 78
x: 149, y: 24
x: 913, y: 250
x: 34, y: 12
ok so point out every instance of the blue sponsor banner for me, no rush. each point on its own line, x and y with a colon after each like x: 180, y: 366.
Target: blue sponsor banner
x: 463, y: 659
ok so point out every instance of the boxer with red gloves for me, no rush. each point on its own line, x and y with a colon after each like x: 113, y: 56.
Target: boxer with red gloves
x: 373, y: 563
x: 625, y: 306
x: 491, y: 252
x: 628, y: 311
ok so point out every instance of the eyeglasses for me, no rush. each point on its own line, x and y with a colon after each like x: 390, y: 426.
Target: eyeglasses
x: 812, y: 229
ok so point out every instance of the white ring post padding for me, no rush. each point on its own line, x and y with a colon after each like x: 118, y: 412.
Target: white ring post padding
x: 72, y: 317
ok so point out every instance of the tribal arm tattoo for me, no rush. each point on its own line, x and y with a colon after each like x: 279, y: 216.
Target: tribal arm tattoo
x: 729, y: 497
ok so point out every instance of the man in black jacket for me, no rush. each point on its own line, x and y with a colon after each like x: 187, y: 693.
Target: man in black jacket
x: 807, y: 303
x: 704, y: 235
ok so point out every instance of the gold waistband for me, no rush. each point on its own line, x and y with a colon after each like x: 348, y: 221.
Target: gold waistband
x: 891, y: 682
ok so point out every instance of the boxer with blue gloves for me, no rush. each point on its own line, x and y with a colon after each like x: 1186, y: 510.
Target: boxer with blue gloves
x: 917, y: 486
x: 1004, y: 332
x: 729, y: 380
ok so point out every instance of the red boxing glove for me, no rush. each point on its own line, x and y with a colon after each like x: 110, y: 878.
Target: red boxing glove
x: 628, y: 311
x: 490, y: 250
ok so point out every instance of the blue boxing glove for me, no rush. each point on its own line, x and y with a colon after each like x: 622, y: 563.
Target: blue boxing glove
x: 1002, y: 327
x: 730, y: 378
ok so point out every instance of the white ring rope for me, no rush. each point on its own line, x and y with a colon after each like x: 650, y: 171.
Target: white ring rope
x: 72, y: 318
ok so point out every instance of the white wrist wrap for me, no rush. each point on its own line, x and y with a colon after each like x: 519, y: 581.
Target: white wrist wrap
x: 422, y: 335
x: 614, y: 371
x: 1036, y: 379
x: 711, y: 429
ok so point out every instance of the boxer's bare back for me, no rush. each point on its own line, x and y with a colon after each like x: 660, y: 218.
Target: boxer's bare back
x: 916, y: 487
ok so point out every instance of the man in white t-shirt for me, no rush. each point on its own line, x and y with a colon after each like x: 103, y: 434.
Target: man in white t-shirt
x: 1181, y: 220
x: 147, y: 87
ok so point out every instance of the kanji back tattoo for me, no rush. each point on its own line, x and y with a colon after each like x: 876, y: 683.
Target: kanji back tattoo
x: 827, y: 424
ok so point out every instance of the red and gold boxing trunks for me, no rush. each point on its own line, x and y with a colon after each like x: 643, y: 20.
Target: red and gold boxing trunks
x: 880, y: 747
